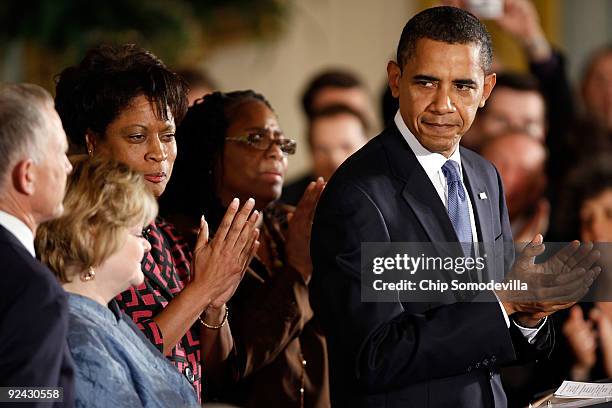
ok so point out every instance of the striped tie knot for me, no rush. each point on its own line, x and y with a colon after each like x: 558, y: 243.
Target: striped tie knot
x: 450, y: 169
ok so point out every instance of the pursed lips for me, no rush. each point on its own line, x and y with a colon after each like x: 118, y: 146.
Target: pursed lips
x: 438, y: 124
x: 278, y: 174
x: 272, y: 170
x: 156, y: 177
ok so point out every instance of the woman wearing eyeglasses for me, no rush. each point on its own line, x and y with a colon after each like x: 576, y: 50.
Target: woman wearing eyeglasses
x: 233, y: 145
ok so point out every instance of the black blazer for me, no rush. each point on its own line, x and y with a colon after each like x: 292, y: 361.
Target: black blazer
x: 33, y: 324
x: 407, y: 354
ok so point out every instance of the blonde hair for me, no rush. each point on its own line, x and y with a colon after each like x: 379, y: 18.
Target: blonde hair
x: 103, y: 197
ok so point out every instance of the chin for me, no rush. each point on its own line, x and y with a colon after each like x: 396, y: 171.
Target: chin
x: 157, y: 189
x: 59, y: 211
x: 138, y: 279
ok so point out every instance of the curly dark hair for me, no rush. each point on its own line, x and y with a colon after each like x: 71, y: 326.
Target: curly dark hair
x: 446, y: 24
x: 90, y: 95
x: 202, y: 133
x: 591, y: 177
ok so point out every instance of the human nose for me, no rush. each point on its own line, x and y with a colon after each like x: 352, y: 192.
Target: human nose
x: 442, y: 102
x: 146, y: 245
x: 68, y: 165
x: 274, y: 149
x: 157, y: 150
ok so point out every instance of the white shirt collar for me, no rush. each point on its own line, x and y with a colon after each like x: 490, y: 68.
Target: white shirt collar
x: 431, y: 162
x: 19, y: 229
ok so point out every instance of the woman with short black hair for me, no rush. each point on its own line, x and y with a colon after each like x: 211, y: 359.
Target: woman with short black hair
x: 123, y: 103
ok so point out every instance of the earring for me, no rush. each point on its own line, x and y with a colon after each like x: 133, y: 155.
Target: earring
x: 90, y: 152
x: 89, y: 275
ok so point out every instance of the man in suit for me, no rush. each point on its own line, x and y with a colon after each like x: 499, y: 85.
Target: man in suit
x: 412, y: 183
x: 33, y: 306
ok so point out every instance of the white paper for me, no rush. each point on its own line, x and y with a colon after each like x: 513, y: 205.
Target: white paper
x: 574, y: 389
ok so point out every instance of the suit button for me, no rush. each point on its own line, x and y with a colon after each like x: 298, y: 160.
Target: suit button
x: 189, y: 374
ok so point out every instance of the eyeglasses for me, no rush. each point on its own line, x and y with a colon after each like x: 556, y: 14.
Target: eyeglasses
x: 264, y: 140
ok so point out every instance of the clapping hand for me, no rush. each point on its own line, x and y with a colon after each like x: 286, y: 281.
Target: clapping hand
x: 300, y: 227
x: 555, y: 284
x: 219, y: 265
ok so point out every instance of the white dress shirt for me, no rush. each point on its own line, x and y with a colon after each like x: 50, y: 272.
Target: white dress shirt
x: 18, y: 228
x: 432, y: 164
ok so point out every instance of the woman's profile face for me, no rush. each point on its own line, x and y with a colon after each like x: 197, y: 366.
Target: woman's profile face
x: 596, y: 218
x: 247, y: 171
x: 123, y: 269
x: 146, y: 143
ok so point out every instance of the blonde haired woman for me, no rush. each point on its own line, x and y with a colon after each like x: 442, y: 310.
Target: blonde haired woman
x: 95, y: 250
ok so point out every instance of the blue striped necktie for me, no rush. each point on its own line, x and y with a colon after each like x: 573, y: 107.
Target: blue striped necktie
x: 458, y: 211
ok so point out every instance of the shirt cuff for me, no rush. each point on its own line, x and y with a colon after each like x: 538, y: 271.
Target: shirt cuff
x: 530, y: 333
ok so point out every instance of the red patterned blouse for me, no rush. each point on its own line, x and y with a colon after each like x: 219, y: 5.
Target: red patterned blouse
x: 166, y: 271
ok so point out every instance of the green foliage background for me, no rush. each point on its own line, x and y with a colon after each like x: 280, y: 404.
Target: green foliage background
x: 178, y: 31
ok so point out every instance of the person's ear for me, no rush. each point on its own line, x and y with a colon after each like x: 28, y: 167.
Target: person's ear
x: 24, y: 177
x: 394, y: 73
x: 489, y: 84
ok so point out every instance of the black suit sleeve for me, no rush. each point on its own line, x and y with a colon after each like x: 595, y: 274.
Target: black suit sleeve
x: 543, y: 343
x: 390, y: 347
x: 34, y: 336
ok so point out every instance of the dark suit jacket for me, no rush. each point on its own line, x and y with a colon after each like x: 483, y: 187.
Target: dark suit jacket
x: 33, y: 324
x: 402, y: 354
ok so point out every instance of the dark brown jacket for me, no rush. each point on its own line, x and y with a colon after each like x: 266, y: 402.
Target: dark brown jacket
x: 281, y: 348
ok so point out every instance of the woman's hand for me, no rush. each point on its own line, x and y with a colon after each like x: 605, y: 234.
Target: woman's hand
x: 604, y: 330
x: 219, y: 265
x: 297, y: 246
x: 582, y: 340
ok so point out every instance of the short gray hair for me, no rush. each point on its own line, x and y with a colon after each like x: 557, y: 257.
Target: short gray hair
x: 22, y: 117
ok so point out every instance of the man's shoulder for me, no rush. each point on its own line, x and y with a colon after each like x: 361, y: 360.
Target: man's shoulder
x: 24, y: 278
x: 482, y: 166
x: 371, y: 161
x: 369, y: 175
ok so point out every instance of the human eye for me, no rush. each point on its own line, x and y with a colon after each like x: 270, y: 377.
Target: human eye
x: 137, y: 232
x: 464, y: 87
x: 168, y: 137
x: 255, y: 137
x: 136, y: 138
x: 288, y: 146
x: 425, y: 83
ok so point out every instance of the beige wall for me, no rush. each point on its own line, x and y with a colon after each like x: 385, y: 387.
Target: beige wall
x: 356, y: 34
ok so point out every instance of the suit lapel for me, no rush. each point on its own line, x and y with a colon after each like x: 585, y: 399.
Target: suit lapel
x: 481, y: 204
x: 483, y: 215
x: 418, y: 191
